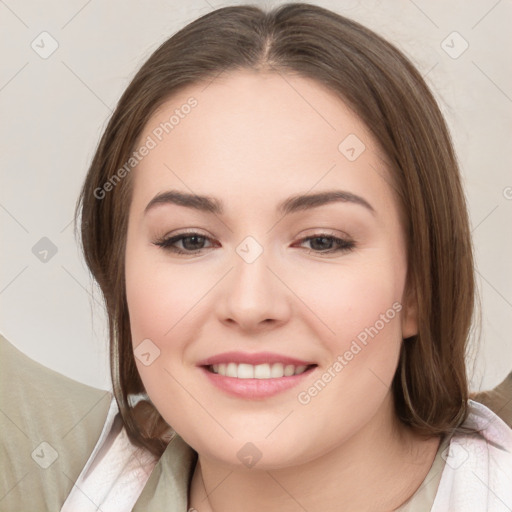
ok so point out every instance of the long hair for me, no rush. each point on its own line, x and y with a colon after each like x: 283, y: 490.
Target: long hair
x: 386, y: 91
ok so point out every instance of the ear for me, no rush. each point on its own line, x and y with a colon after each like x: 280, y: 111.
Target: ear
x: 409, y: 313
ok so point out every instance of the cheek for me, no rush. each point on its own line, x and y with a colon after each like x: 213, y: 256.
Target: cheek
x: 163, y: 303
x: 160, y: 304
x: 363, y: 310
x: 158, y: 298
x: 354, y: 300
x: 361, y: 314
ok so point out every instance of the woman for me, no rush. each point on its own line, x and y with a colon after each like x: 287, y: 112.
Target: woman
x: 276, y: 220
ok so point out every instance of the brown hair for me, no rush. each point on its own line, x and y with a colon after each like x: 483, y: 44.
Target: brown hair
x: 385, y: 90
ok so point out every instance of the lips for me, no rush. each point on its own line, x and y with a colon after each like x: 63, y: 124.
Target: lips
x: 254, y: 388
x: 255, y: 376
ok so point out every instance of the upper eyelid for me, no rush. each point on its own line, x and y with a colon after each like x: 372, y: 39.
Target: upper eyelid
x: 318, y: 234
x: 327, y: 232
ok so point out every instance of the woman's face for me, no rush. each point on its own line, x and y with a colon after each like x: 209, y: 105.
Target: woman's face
x: 264, y: 278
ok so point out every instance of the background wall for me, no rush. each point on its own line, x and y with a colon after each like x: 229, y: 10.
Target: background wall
x: 65, y: 65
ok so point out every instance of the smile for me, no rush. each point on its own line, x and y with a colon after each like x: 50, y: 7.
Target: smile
x: 255, y: 382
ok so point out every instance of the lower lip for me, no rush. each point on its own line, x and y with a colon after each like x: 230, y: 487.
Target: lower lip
x: 255, y: 388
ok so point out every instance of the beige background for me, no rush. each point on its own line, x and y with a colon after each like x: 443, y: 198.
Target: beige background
x: 54, y: 109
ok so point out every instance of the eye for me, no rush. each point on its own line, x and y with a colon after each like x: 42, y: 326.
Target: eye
x: 193, y: 243
x: 321, y: 243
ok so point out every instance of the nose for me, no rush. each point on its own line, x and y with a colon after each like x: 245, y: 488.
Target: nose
x: 254, y: 296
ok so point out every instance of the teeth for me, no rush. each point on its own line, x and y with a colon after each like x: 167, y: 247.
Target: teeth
x: 277, y: 370
x: 231, y: 370
x: 259, y: 371
x: 245, y: 371
x: 262, y: 371
x: 289, y: 370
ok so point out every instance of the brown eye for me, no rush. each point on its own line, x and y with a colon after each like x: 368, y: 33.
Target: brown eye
x: 192, y: 243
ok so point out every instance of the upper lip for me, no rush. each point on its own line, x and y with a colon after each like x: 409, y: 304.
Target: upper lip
x: 253, y: 359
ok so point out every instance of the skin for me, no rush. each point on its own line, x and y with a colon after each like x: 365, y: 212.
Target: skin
x: 253, y: 140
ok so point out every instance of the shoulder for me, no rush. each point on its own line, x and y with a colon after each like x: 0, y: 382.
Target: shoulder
x: 50, y: 424
x: 499, y: 399
x: 478, y: 468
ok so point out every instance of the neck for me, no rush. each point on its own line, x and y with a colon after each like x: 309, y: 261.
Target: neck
x: 379, y: 468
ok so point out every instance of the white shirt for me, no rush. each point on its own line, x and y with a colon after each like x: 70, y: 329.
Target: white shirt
x: 478, y: 470
x: 115, y: 473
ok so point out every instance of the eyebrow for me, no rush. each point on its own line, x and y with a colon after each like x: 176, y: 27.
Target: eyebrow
x: 292, y: 204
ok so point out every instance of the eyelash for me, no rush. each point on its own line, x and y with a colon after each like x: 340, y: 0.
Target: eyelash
x: 167, y: 243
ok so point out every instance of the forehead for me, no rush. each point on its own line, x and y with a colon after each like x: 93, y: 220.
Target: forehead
x: 258, y: 133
